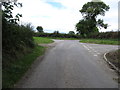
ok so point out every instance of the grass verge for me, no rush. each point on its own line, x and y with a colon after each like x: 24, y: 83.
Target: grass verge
x: 48, y: 39
x: 17, y: 68
x: 42, y: 40
x: 114, y: 58
x: 100, y: 41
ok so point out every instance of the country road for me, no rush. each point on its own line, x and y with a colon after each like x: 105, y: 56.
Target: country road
x: 70, y: 64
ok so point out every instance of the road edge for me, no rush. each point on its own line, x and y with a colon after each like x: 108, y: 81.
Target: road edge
x: 105, y: 58
x: 34, y: 65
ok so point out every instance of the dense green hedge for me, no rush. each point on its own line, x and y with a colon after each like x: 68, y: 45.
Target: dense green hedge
x: 15, y: 38
x: 56, y: 35
x: 101, y: 35
x: 106, y: 35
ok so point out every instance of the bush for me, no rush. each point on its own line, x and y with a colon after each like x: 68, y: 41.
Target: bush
x: 105, y: 35
x: 16, y: 38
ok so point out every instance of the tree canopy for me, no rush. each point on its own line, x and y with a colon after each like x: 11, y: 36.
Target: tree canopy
x: 92, y: 9
x: 71, y: 33
x: 7, y: 12
x: 89, y: 24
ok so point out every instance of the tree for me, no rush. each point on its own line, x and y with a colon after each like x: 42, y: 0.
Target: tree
x: 7, y: 12
x: 92, y: 9
x: 82, y: 27
x: 86, y: 28
x: 89, y: 24
x: 71, y: 33
x: 40, y: 29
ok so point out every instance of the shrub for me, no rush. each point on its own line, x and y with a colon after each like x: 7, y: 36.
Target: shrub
x: 16, y: 38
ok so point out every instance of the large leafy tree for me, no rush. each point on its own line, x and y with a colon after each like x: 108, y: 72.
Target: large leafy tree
x: 89, y: 24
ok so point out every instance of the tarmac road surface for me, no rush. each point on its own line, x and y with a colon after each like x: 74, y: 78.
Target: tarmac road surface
x: 71, y: 64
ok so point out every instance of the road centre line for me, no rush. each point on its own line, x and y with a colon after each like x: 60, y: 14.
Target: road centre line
x: 98, y: 53
x: 86, y: 47
x: 89, y: 51
x: 90, y: 47
x: 95, y: 51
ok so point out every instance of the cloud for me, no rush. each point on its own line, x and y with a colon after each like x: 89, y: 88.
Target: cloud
x: 61, y: 15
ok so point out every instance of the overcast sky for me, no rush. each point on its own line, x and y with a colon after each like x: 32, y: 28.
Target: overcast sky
x: 62, y: 15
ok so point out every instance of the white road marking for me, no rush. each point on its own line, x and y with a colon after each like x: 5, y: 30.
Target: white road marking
x: 93, y: 50
x: 98, y: 53
x: 86, y: 47
x: 95, y: 55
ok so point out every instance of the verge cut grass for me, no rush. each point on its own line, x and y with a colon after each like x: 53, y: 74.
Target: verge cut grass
x: 42, y: 40
x: 100, y: 41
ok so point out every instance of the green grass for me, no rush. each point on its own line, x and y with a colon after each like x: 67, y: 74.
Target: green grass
x: 48, y: 39
x: 17, y: 68
x: 100, y: 41
x: 42, y: 40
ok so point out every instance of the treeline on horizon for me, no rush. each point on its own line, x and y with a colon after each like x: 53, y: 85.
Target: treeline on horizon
x: 100, y: 35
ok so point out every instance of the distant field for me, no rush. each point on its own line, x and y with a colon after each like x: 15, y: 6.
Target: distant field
x: 42, y: 40
x: 100, y: 41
